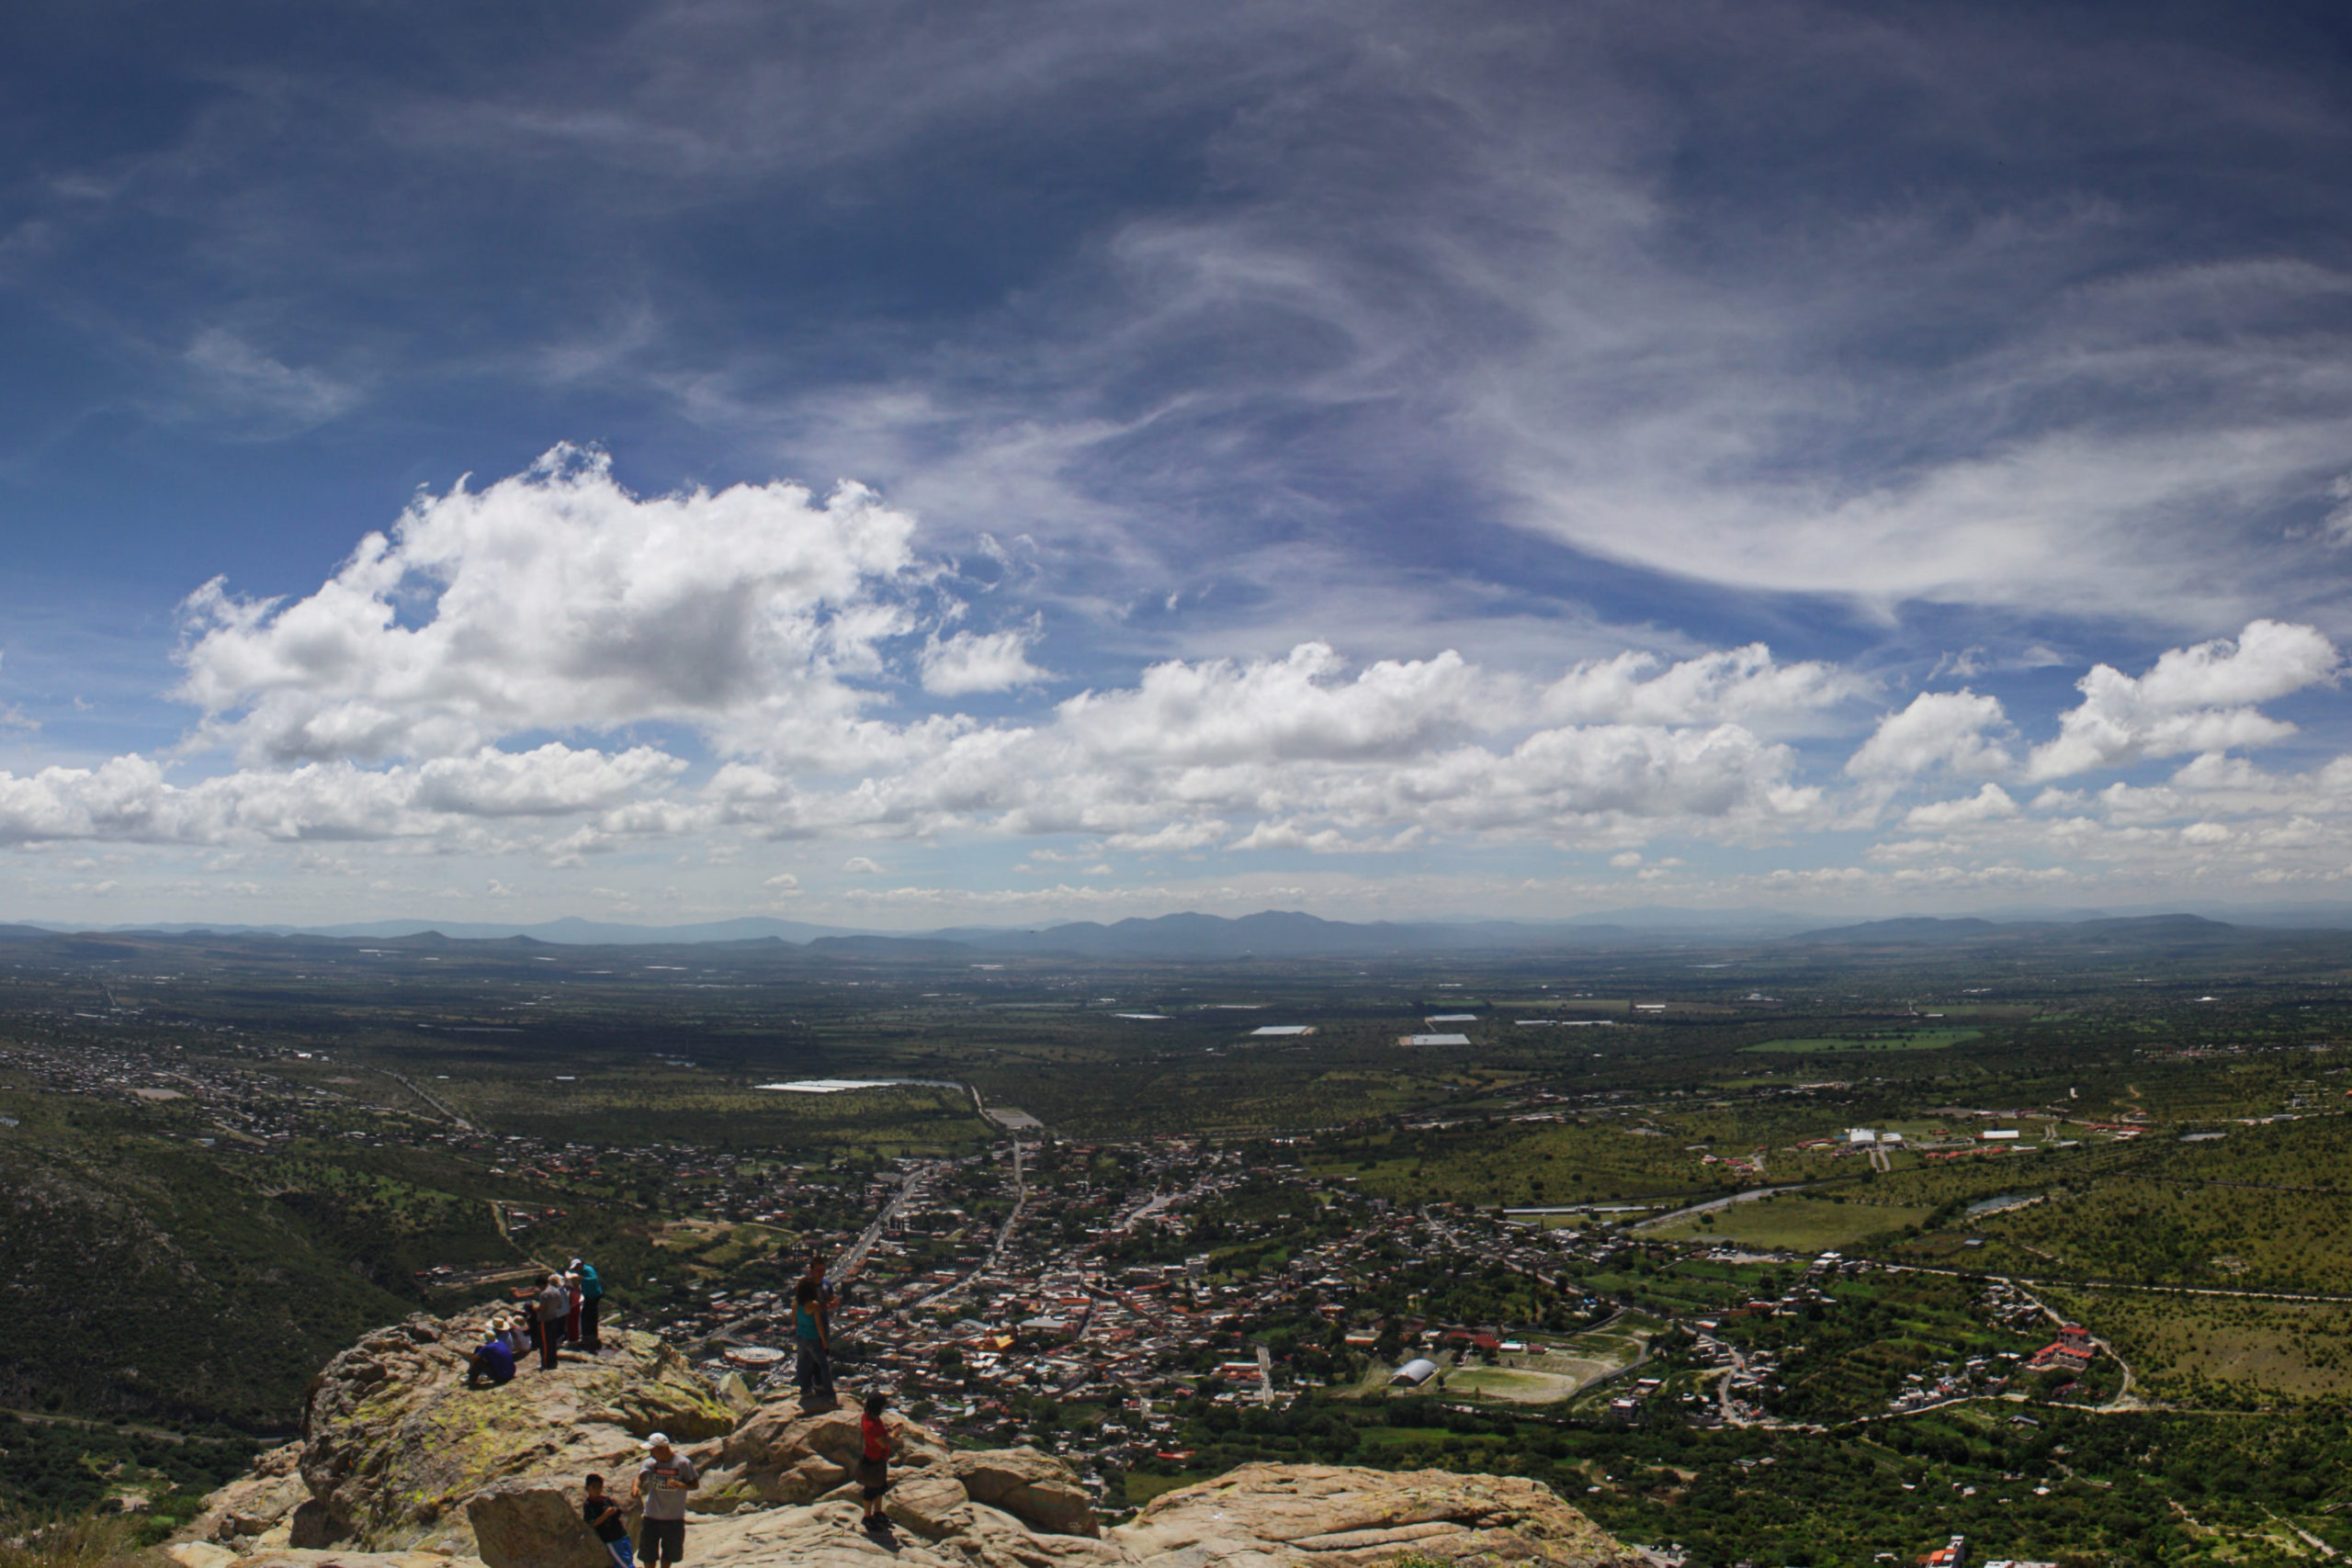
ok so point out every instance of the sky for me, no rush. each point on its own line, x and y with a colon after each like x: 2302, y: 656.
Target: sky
x: 907, y: 465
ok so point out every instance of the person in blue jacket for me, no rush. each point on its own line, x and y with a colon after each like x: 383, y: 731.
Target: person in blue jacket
x: 491, y: 1363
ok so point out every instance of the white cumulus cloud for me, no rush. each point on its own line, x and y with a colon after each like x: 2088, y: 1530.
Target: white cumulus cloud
x: 131, y: 797
x: 1956, y: 730
x: 1742, y: 684
x: 1987, y: 804
x: 2193, y: 699
x: 556, y: 598
x: 1293, y: 747
x: 974, y: 661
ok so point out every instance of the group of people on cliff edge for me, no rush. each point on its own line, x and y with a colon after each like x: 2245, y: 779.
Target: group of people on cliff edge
x: 565, y: 1311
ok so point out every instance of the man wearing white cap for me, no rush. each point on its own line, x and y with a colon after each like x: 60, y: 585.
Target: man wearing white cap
x: 660, y: 1488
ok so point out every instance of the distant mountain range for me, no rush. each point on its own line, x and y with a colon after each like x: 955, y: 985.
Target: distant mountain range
x: 2150, y: 932
x: 1272, y: 933
x: 570, y: 931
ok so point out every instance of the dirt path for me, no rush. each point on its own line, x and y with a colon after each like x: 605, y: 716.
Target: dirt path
x: 46, y: 1419
x: 2124, y: 1400
x: 2124, y: 1285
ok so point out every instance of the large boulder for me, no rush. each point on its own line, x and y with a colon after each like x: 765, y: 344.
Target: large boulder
x: 1036, y: 1488
x: 1353, y: 1518
x: 201, y: 1556
x: 929, y: 1504
x: 782, y: 1455
x: 256, y: 1503
x: 826, y: 1535
x: 530, y: 1524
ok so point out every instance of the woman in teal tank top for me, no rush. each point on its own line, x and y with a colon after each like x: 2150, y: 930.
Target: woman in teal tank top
x: 813, y: 1370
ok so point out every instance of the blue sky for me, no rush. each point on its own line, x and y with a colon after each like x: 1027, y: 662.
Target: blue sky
x: 904, y: 465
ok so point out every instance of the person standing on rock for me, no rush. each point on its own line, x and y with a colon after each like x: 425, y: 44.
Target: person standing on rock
x: 873, y: 1459
x: 814, y: 1369
x: 592, y: 1300
x: 828, y: 1297
x: 554, y: 1305
x: 663, y: 1483
x: 572, y: 1296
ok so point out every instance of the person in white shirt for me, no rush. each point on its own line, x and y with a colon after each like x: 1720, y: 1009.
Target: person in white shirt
x: 661, y: 1489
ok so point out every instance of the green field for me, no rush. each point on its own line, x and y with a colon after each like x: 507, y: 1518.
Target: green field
x: 1508, y: 1383
x: 1899, y: 1040
x: 2224, y: 1352
x: 1793, y: 1224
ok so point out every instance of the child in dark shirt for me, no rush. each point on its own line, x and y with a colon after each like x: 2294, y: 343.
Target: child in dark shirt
x: 603, y: 1517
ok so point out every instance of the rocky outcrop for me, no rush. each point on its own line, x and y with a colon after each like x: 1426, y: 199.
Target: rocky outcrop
x: 1352, y: 1518
x: 1034, y: 1488
x: 781, y: 1456
x: 257, y: 1503
x: 395, y: 1445
x: 401, y: 1466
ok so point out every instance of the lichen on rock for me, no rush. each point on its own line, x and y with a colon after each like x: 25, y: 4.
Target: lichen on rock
x: 395, y: 1444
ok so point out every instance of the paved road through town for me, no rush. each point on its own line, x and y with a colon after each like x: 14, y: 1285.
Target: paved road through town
x: 1004, y: 1234
x: 427, y: 1096
x: 853, y: 1258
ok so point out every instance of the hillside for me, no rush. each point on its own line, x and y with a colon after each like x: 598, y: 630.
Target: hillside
x: 144, y: 1278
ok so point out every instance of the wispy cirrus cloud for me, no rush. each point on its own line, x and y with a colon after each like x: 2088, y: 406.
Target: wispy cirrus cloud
x: 1553, y: 436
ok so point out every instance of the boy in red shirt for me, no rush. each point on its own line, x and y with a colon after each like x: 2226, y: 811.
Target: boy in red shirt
x: 874, y: 1466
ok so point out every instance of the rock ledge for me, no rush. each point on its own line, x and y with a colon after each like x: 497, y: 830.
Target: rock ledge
x: 401, y: 1466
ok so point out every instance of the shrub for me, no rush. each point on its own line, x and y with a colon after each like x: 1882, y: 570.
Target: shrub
x: 83, y: 1540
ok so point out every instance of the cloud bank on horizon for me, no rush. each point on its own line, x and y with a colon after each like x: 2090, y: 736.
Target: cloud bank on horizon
x: 1493, y: 461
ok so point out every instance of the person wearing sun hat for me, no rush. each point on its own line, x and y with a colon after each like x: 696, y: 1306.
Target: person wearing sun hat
x: 660, y: 1488
x: 493, y: 1360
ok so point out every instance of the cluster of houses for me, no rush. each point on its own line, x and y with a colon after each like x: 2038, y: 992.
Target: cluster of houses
x: 975, y: 1300
x: 2072, y: 1352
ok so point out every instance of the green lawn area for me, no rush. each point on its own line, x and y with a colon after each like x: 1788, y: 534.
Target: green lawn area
x: 1896, y: 1040
x: 1798, y: 1225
